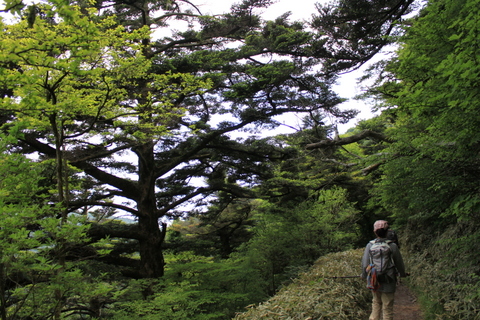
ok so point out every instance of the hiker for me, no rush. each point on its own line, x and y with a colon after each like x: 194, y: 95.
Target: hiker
x: 381, y: 263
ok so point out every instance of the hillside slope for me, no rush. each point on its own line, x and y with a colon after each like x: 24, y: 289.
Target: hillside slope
x: 316, y: 295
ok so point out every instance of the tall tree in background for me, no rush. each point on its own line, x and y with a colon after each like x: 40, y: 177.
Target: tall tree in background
x: 149, y: 118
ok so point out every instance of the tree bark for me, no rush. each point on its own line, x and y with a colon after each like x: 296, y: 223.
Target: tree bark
x: 151, y: 236
x: 150, y: 247
x: 347, y: 140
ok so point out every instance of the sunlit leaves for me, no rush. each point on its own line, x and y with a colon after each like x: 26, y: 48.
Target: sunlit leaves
x: 440, y: 83
x: 434, y: 96
x: 83, y: 68
x: 30, y: 237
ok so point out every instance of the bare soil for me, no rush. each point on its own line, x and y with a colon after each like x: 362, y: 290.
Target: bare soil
x: 406, y: 306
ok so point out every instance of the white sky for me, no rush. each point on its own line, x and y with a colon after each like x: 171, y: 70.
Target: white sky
x: 300, y: 8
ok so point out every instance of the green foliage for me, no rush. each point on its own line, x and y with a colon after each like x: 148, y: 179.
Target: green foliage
x: 432, y: 162
x: 284, y: 242
x: 289, y: 238
x: 217, y: 232
x: 39, y: 299
x: 448, y: 266
x: 112, y: 112
x: 430, y: 177
x: 78, y: 72
x: 32, y: 238
x: 91, y: 86
x: 344, y: 22
x: 194, y: 287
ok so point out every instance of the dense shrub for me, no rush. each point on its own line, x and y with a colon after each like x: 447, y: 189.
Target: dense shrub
x: 445, y: 271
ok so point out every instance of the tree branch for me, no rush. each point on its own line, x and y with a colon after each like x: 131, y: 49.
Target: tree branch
x: 347, y: 140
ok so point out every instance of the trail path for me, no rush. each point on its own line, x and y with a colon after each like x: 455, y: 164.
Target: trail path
x: 406, y: 306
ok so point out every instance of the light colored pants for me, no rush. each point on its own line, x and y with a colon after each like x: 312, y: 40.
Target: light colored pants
x: 382, y: 304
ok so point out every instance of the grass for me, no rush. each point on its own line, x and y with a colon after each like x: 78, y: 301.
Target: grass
x: 316, y: 295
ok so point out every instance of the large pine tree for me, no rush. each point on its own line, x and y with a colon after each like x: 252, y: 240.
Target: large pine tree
x: 148, y: 119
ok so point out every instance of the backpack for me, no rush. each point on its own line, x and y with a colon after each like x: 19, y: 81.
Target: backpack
x: 392, y: 235
x: 381, y: 260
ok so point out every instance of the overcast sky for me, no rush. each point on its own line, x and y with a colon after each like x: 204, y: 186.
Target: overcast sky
x: 299, y: 8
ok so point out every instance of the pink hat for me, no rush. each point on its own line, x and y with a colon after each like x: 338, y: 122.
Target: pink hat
x: 380, y: 224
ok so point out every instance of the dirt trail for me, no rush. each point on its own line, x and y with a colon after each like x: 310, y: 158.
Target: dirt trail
x: 406, y: 306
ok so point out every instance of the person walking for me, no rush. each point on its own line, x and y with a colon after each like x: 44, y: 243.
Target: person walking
x: 381, y: 263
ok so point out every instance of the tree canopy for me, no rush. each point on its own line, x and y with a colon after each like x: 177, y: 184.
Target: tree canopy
x: 156, y: 111
x: 430, y: 92
x: 146, y: 119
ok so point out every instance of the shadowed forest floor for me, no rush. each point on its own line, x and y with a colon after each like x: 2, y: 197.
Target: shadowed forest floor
x: 406, y: 305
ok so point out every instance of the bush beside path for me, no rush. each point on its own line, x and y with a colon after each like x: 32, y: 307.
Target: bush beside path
x: 316, y: 295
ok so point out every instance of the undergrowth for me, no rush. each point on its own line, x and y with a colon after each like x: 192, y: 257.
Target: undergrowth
x: 316, y: 295
x: 445, y: 273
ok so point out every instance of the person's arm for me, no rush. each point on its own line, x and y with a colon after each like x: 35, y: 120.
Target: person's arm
x: 398, y: 260
x: 365, y: 260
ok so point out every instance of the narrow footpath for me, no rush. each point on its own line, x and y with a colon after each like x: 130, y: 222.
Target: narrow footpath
x: 406, y: 305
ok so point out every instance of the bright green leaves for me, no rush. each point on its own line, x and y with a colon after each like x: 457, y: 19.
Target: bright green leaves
x: 440, y: 82
x: 434, y: 98
x: 31, y: 238
x: 84, y: 68
x: 44, y: 66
